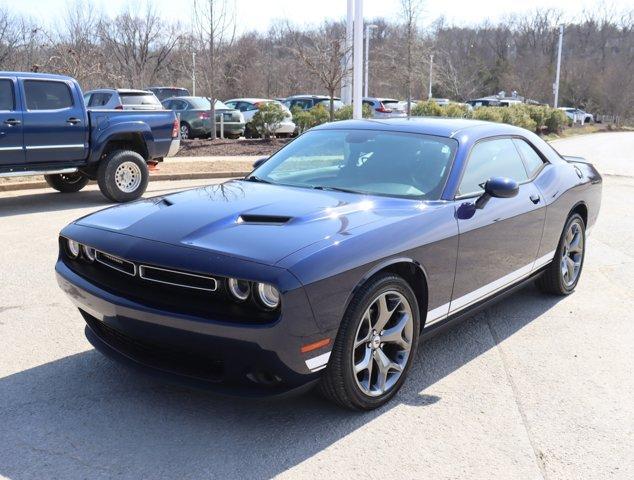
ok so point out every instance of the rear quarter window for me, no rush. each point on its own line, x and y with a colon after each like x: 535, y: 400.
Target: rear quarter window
x: 47, y: 95
x: 138, y: 99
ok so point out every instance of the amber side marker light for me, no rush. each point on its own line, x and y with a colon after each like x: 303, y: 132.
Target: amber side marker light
x: 309, y: 347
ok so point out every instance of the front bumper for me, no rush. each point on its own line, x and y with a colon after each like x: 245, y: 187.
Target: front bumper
x: 249, y: 360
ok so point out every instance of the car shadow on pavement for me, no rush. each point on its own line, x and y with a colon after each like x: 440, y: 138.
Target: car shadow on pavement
x: 24, y: 204
x: 84, y: 416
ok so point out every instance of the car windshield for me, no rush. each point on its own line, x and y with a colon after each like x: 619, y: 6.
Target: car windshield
x: 202, y: 103
x: 139, y: 99
x: 363, y: 161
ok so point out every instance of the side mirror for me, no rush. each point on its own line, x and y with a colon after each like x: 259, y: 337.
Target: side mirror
x: 259, y: 162
x: 498, y: 187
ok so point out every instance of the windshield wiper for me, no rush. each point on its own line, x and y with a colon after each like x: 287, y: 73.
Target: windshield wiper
x: 335, y: 189
x: 255, y: 178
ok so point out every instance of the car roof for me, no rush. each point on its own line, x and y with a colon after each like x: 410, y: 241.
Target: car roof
x: 442, y: 127
x: 169, y: 88
x: 251, y: 100
x: 292, y: 97
x: 120, y: 90
x: 381, y: 99
x: 42, y: 76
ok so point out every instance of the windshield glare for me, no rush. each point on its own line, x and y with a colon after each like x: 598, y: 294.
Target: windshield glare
x: 364, y: 161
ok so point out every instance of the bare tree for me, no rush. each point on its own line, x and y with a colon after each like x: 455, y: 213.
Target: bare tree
x: 410, y: 12
x: 215, y: 30
x: 321, y: 52
x: 139, y: 45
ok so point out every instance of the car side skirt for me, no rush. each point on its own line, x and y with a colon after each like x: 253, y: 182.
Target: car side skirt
x: 469, y: 311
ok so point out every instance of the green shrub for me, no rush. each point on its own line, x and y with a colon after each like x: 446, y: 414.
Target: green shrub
x: 489, y: 114
x: 456, y: 110
x: 268, y: 118
x: 345, y: 113
x: 306, y: 119
x: 427, y: 109
x: 517, y: 115
x: 556, y: 120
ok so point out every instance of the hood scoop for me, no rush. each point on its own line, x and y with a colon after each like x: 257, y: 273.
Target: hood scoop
x: 247, y: 218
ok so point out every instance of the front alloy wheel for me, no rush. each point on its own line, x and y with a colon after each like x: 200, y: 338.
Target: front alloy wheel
x: 383, y: 343
x: 375, y: 345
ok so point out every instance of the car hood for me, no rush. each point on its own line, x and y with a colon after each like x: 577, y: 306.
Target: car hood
x: 254, y: 221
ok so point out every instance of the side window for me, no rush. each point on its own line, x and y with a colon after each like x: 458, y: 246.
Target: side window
x: 491, y: 158
x: 168, y: 105
x: 7, y: 101
x: 231, y: 104
x: 47, y: 95
x: 533, y: 161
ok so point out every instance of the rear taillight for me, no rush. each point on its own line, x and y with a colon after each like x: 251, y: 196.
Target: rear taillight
x: 382, y: 109
x: 176, y: 129
x: 119, y: 107
x: 204, y: 116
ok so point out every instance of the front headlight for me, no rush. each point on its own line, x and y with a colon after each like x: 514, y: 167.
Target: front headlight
x: 73, y: 248
x: 268, y: 295
x: 240, y: 289
x: 89, y: 253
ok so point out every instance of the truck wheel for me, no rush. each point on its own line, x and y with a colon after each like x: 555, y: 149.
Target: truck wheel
x: 123, y: 176
x: 67, y: 182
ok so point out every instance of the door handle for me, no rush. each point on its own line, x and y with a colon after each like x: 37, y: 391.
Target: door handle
x: 12, y: 122
x: 535, y: 198
x: 73, y: 120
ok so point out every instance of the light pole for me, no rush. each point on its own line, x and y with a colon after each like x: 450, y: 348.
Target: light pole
x: 357, y: 71
x: 431, y: 66
x: 367, y: 56
x: 194, y: 74
x: 346, y: 85
x: 556, y: 84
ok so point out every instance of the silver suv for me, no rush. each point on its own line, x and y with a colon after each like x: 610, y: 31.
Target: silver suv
x: 121, y: 99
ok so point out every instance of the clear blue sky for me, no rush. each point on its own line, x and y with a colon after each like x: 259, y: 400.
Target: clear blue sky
x: 258, y: 14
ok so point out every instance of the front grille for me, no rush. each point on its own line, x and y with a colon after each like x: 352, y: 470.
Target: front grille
x: 115, y: 262
x: 164, y: 357
x: 178, y: 279
x: 172, y: 291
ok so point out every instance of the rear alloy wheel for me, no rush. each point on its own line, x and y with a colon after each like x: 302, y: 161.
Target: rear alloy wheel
x: 185, y: 131
x: 67, y: 182
x: 376, y: 343
x: 562, y: 276
x: 123, y: 176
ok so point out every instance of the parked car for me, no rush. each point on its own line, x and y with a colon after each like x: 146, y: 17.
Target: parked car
x: 163, y: 93
x: 249, y: 107
x: 306, y: 102
x: 195, y: 119
x: 484, y: 102
x: 578, y: 115
x: 385, y: 107
x: 329, y: 262
x: 443, y: 102
x: 121, y: 99
x: 45, y: 129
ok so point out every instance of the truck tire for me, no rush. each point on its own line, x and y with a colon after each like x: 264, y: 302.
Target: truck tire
x: 123, y: 176
x: 67, y: 182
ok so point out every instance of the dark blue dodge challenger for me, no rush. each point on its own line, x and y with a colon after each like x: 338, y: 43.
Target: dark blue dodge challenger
x: 333, y: 258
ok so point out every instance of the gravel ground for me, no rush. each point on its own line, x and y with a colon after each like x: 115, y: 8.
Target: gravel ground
x: 535, y: 387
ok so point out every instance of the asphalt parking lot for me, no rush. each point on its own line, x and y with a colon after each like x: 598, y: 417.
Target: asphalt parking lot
x: 534, y: 387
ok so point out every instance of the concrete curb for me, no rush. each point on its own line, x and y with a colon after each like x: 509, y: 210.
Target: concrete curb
x: 154, y: 177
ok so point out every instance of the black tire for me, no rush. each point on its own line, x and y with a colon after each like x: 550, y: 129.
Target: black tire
x: 250, y: 132
x: 338, y: 382
x: 185, y: 131
x: 67, y: 182
x: 552, y: 281
x: 107, y: 176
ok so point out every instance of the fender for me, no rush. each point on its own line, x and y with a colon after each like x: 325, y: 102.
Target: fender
x: 103, y: 136
x: 377, y: 267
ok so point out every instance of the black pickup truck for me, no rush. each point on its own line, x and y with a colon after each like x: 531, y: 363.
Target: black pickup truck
x: 45, y: 129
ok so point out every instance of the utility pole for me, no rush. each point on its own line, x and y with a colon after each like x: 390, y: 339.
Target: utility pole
x: 194, y: 74
x: 431, y: 66
x: 357, y: 71
x: 368, y: 28
x: 556, y: 84
x: 346, y: 85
